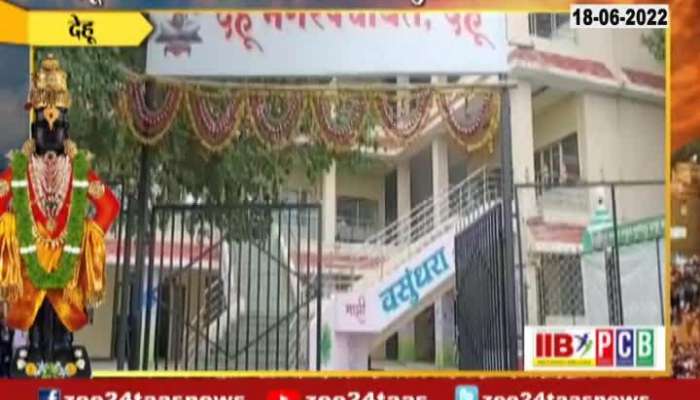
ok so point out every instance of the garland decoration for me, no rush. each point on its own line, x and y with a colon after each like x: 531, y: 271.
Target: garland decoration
x: 215, y: 118
x: 403, y: 115
x: 340, y: 117
x: 482, y: 112
x: 276, y: 116
x: 149, y: 126
x: 68, y: 263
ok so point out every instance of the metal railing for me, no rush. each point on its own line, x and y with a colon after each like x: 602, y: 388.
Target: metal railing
x: 454, y: 208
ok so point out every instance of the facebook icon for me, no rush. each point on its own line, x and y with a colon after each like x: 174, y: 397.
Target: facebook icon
x: 467, y: 392
x: 49, y: 394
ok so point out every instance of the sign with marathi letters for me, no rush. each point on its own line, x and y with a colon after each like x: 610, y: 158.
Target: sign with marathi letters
x: 376, y: 307
x: 326, y: 43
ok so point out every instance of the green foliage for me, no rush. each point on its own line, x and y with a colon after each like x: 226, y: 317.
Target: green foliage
x: 655, y: 41
x: 326, y: 344
x: 247, y: 170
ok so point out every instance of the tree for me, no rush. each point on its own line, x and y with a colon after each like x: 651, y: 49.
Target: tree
x: 248, y: 169
x: 655, y: 41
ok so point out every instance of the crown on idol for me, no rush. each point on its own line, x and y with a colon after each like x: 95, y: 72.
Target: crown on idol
x: 49, y: 89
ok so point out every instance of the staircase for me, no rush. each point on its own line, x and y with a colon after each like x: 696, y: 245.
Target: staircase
x: 248, y: 330
x: 449, y: 211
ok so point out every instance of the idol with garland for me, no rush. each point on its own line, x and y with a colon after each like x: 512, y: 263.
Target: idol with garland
x: 52, y: 245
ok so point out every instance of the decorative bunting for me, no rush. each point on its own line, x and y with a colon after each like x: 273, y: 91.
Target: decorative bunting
x: 339, y: 117
x: 149, y: 126
x: 403, y: 115
x: 276, y: 115
x: 481, y: 116
x: 215, y: 118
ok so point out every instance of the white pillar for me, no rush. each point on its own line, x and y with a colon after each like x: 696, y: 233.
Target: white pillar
x: 328, y: 206
x: 403, y: 188
x: 522, y: 133
x: 403, y: 198
x: 445, y: 330
x: 441, y: 176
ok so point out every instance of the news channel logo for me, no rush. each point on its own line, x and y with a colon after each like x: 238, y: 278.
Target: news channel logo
x: 467, y: 392
x: 49, y: 394
x: 595, y: 348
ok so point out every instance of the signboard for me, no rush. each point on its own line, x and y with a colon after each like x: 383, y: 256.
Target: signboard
x: 597, y: 348
x: 627, y: 234
x: 326, y: 43
x: 374, y: 308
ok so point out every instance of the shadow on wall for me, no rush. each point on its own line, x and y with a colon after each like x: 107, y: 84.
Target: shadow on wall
x: 13, y: 94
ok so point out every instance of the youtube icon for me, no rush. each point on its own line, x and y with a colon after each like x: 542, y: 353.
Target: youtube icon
x: 283, y: 395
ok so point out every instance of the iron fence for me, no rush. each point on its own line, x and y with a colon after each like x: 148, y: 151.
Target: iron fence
x: 223, y: 288
x: 590, y: 253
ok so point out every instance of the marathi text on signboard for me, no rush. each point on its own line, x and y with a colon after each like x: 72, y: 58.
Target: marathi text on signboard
x: 323, y: 44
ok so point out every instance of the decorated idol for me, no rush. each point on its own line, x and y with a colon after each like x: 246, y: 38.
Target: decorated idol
x: 52, y: 250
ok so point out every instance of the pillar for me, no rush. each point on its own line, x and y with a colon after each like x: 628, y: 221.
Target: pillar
x: 522, y: 134
x: 403, y: 196
x: 328, y: 205
x: 441, y: 177
x: 445, y: 331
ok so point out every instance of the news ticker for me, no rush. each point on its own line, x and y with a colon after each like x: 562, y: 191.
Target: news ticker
x: 355, y: 389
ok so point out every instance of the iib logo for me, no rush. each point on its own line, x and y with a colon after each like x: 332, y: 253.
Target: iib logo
x: 563, y: 345
x: 49, y: 394
x: 467, y: 392
x: 622, y: 347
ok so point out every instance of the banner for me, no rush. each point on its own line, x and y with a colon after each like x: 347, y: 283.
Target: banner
x: 365, y: 388
x: 374, y: 308
x: 326, y: 43
x: 600, y: 348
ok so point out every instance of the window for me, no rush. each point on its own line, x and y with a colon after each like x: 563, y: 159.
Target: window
x: 560, y: 287
x: 557, y: 163
x: 550, y: 26
x: 357, y: 218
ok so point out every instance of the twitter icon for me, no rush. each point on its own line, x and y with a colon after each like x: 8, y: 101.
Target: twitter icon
x: 467, y: 392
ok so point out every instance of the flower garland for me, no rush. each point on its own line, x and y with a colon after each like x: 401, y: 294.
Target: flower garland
x: 215, y: 132
x: 403, y: 116
x: 149, y: 126
x: 67, y: 264
x: 340, y: 117
x: 275, y: 114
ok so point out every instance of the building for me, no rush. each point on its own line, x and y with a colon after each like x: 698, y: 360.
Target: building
x: 588, y: 106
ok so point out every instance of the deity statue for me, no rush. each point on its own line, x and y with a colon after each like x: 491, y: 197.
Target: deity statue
x: 52, y: 246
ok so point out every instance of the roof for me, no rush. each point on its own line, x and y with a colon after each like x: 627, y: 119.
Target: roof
x: 587, y: 67
x: 555, y: 236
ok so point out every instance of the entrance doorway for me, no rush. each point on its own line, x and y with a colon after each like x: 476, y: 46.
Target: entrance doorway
x: 425, y: 335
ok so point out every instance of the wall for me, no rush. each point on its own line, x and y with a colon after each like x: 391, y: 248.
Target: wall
x: 630, y: 53
x: 613, y: 126
x: 554, y: 123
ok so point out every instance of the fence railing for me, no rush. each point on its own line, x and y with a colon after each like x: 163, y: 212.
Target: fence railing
x: 452, y: 209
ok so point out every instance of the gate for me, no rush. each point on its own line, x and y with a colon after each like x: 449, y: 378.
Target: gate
x: 485, y: 321
x: 224, y: 288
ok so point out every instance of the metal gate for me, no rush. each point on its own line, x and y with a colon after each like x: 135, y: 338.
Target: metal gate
x: 222, y: 288
x: 485, y: 320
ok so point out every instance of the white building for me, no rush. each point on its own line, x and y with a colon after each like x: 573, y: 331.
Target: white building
x: 587, y: 105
